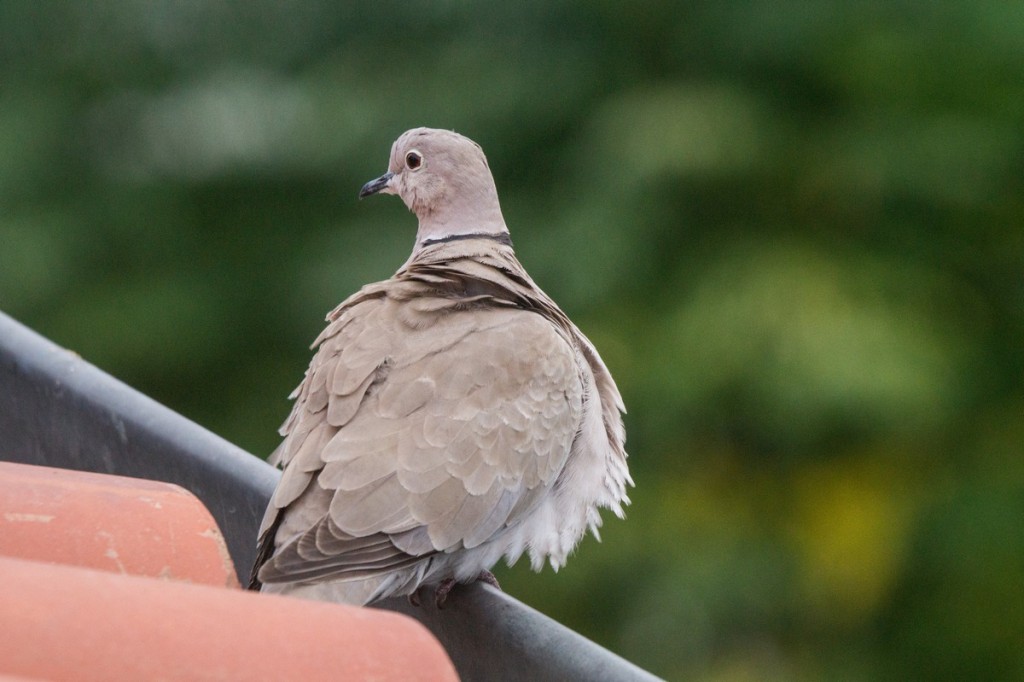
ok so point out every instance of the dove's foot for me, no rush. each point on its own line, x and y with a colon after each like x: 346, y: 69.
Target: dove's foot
x: 441, y: 593
x: 488, y: 577
x: 414, y: 598
x: 446, y: 586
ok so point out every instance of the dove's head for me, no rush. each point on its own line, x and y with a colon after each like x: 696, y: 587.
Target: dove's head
x: 444, y: 179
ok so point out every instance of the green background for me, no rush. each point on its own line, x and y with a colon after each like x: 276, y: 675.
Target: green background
x: 793, y: 230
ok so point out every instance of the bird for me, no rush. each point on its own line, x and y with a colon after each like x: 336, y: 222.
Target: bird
x: 451, y: 415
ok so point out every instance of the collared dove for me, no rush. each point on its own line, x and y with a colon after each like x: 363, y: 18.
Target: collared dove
x: 451, y: 415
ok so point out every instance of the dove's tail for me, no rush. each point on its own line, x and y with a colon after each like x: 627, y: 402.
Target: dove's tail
x: 355, y: 592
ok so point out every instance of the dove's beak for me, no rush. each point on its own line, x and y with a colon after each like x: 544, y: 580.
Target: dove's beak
x: 375, y: 186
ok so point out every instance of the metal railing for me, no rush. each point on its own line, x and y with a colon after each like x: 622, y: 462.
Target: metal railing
x: 58, y: 410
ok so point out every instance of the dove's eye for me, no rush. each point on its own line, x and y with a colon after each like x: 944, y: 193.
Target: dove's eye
x: 413, y: 160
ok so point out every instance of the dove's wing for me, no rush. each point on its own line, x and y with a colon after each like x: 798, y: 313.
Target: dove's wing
x: 426, y: 424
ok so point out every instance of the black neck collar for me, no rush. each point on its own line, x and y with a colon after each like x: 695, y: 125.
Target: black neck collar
x: 501, y: 238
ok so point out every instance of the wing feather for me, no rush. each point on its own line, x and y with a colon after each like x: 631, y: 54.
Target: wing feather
x: 443, y: 438
x: 438, y: 412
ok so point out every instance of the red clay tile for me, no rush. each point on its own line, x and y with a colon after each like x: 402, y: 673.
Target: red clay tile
x: 112, y: 523
x: 65, y: 623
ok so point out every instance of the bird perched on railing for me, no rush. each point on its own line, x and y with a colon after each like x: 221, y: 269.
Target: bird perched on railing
x: 451, y: 415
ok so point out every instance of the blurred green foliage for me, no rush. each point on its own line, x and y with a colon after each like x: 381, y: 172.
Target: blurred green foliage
x: 793, y: 229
